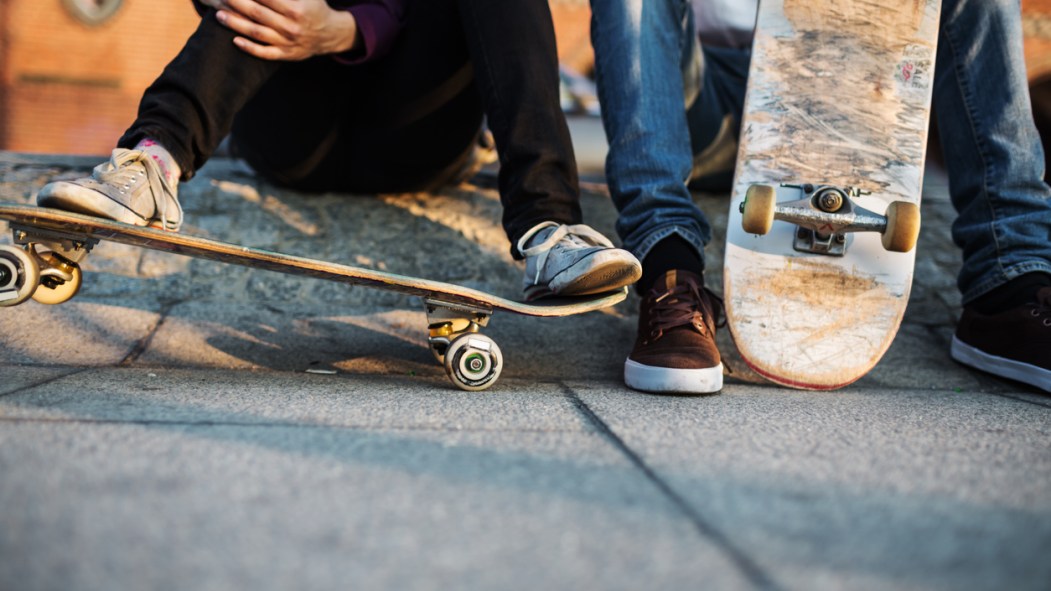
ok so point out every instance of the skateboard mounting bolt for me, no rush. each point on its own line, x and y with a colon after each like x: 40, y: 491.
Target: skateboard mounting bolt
x: 20, y: 236
x: 829, y: 200
x: 475, y: 363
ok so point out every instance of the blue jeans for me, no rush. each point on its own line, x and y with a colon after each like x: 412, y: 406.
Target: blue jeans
x: 646, y: 57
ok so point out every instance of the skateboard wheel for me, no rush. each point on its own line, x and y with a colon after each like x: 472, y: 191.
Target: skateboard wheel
x: 52, y: 290
x: 473, y: 362
x: 757, y: 211
x: 903, y: 226
x: 19, y: 275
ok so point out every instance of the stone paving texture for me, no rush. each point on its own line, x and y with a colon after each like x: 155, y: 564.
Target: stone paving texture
x: 160, y: 431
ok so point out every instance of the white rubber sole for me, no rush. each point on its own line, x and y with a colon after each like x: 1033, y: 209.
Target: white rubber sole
x: 1005, y: 368
x: 646, y: 378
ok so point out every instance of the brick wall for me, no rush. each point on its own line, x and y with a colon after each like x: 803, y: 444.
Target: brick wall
x: 1036, y: 26
x: 70, y: 87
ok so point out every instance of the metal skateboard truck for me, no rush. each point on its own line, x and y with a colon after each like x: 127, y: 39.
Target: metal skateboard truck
x: 825, y: 214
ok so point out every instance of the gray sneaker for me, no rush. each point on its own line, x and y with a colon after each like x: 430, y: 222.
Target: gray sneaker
x: 566, y: 260
x: 130, y: 188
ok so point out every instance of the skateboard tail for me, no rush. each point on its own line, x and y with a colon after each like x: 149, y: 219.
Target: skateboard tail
x: 798, y: 385
x: 812, y: 324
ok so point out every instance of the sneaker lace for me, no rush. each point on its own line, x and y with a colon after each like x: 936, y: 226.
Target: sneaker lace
x: 684, y: 305
x: 120, y: 172
x: 563, y: 237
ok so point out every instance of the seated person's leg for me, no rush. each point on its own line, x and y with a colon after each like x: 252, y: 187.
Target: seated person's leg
x: 512, y: 47
x: 182, y: 118
x: 397, y: 124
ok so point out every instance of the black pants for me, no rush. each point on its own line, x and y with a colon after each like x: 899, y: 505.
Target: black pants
x: 396, y: 124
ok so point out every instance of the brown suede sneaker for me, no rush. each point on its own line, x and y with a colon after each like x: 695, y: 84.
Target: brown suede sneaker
x: 1014, y: 344
x: 675, y: 349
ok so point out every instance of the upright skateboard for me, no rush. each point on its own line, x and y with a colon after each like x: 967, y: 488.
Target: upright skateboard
x: 824, y: 214
x: 51, y: 243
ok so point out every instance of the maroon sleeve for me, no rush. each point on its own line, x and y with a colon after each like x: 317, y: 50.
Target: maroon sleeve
x: 379, y: 23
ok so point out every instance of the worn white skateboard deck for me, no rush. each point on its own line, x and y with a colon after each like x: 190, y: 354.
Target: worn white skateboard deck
x: 838, y: 94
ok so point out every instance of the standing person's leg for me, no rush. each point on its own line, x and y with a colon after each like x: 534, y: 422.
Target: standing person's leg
x: 639, y: 50
x: 512, y: 45
x: 995, y: 165
x: 715, y: 117
x: 642, y: 50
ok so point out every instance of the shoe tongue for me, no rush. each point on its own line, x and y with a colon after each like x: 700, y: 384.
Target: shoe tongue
x: 670, y: 279
x: 681, y: 277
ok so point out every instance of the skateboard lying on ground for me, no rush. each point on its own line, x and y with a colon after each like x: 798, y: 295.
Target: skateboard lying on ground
x: 51, y: 244
x: 824, y: 214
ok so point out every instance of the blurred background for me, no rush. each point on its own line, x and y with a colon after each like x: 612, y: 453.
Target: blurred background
x: 71, y: 72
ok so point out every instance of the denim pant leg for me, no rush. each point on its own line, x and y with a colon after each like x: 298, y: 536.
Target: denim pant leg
x: 991, y: 146
x: 640, y: 49
x: 722, y: 88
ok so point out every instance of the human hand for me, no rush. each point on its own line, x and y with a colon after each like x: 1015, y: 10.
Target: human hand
x: 288, y: 30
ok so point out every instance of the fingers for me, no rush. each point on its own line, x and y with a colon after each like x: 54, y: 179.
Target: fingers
x: 287, y: 29
x: 250, y: 29
x: 258, y: 20
x: 266, y: 52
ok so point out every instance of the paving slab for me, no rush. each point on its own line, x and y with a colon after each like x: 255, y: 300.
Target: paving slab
x: 166, y: 429
x: 223, y: 479
x: 870, y: 489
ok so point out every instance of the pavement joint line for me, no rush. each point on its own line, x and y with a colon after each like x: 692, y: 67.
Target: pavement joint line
x: 142, y: 344
x: 272, y: 425
x: 744, y: 563
x: 1020, y: 399
x: 44, y: 382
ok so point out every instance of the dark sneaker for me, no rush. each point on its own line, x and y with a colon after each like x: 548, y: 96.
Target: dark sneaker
x: 573, y: 260
x: 130, y: 188
x: 675, y: 349
x: 1015, y: 344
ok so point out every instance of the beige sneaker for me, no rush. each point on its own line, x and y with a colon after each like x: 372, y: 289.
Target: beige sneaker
x: 129, y: 188
x: 566, y: 260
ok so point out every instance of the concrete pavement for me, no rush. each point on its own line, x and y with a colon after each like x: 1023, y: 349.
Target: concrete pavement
x: 161, y: 430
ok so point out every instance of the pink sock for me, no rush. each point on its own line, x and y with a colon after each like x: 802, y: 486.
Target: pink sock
x: 163, y: 158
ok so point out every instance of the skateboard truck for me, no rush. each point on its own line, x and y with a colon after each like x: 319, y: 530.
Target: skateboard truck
x: 472, y: 360
x: 49, y: 276
x: 825, y: 214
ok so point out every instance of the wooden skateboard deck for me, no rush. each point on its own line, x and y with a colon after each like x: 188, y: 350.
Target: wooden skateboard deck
x: 453, y: 311
x: 838, y: 96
